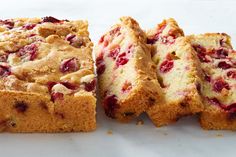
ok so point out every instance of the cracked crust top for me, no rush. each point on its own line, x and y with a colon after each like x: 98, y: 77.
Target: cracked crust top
x: 46, y: 56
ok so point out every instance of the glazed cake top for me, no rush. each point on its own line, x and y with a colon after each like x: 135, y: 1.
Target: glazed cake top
x: 46, y: 56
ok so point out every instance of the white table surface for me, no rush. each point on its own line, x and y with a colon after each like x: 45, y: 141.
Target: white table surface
x: 184, y: 138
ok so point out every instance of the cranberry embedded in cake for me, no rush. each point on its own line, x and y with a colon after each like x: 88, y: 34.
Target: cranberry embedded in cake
x: 232, y: 74
x: 219, y: 83
x: 125, y: 71
x: 28, y: 52
x: 69, y: 65
x: 224, y: 65
x: 29, y: 26
x: 177, y: 73
x: 166, y: 66
x: 46, y: 70
x: 7, y: 23
x: 100, y: 65
x: 50, y: 19
x: 4, y: 70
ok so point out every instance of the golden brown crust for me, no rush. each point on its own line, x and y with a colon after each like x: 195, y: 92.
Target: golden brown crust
x: 49, y: 85
x: 27, y: 112
x: 145, y: 89
x: 167, y: 113
x: 213, y: 118
x: 181, y: 96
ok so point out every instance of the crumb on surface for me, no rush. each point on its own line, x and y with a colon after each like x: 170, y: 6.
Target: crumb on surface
x: 165, y: 133
x: 139, y: 122
x: 109, y: 132
x: 219, y: 135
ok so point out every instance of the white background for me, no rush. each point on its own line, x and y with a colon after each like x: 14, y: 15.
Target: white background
x: 184, y: 138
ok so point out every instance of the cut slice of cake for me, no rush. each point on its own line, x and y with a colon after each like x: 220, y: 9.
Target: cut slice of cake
x: 176, y: 72
x: 218, y: 71
x: 126, y: 74
x: 47, y: 81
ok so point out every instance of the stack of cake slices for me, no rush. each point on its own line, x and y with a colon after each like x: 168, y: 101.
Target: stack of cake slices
x: 196, y: 74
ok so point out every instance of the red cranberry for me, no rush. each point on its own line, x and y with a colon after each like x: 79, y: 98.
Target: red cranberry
x: 69, y: 85
x: 219, y: 85
x: 50, y: 85
x: 224, y: 65
x: 201, y: 53
x: 199, y: 48
x: 3, y: 57
x: 69, y: 37
x: 110, y: 105
x: 28, y: 51
x: 166, y: 66
x: 32, y: 35
x: 114, y: 52
x: 69, y: 65
x: 115, y: 31
x: 231, y: 74
x: 230, y: 108
x: 101, y: 68
x: 220, y: 53
x: 127, y: 86
x: 90, y: 86
x: 169, y: 39
x: 101, y: 39
x: 154, y: 38
x: 214, y: 101
x: 56, y: 96
x: 104, y: 41
x: 50, y: 19
x: 21, y: 106
x: 74, y: 40
x: 66, y: 84
x: 29, y: 26
x: 122, y: 59
x: 100, y: 64
x: 4, y: 70
x: 8, y: 23
x: 207, y: 77
x: 203, y: 58
x: 221, y: 42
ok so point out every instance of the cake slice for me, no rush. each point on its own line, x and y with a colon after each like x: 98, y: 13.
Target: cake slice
x: 177, y: 74
x: 218, y: 71
x: 47, y: 81
x: 126, y: 74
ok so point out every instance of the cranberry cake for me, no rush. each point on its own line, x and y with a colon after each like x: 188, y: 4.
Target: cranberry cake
x: 177, y: 74
x: 47, y: 81
x: 218, y: 71
x: 126, y: 73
